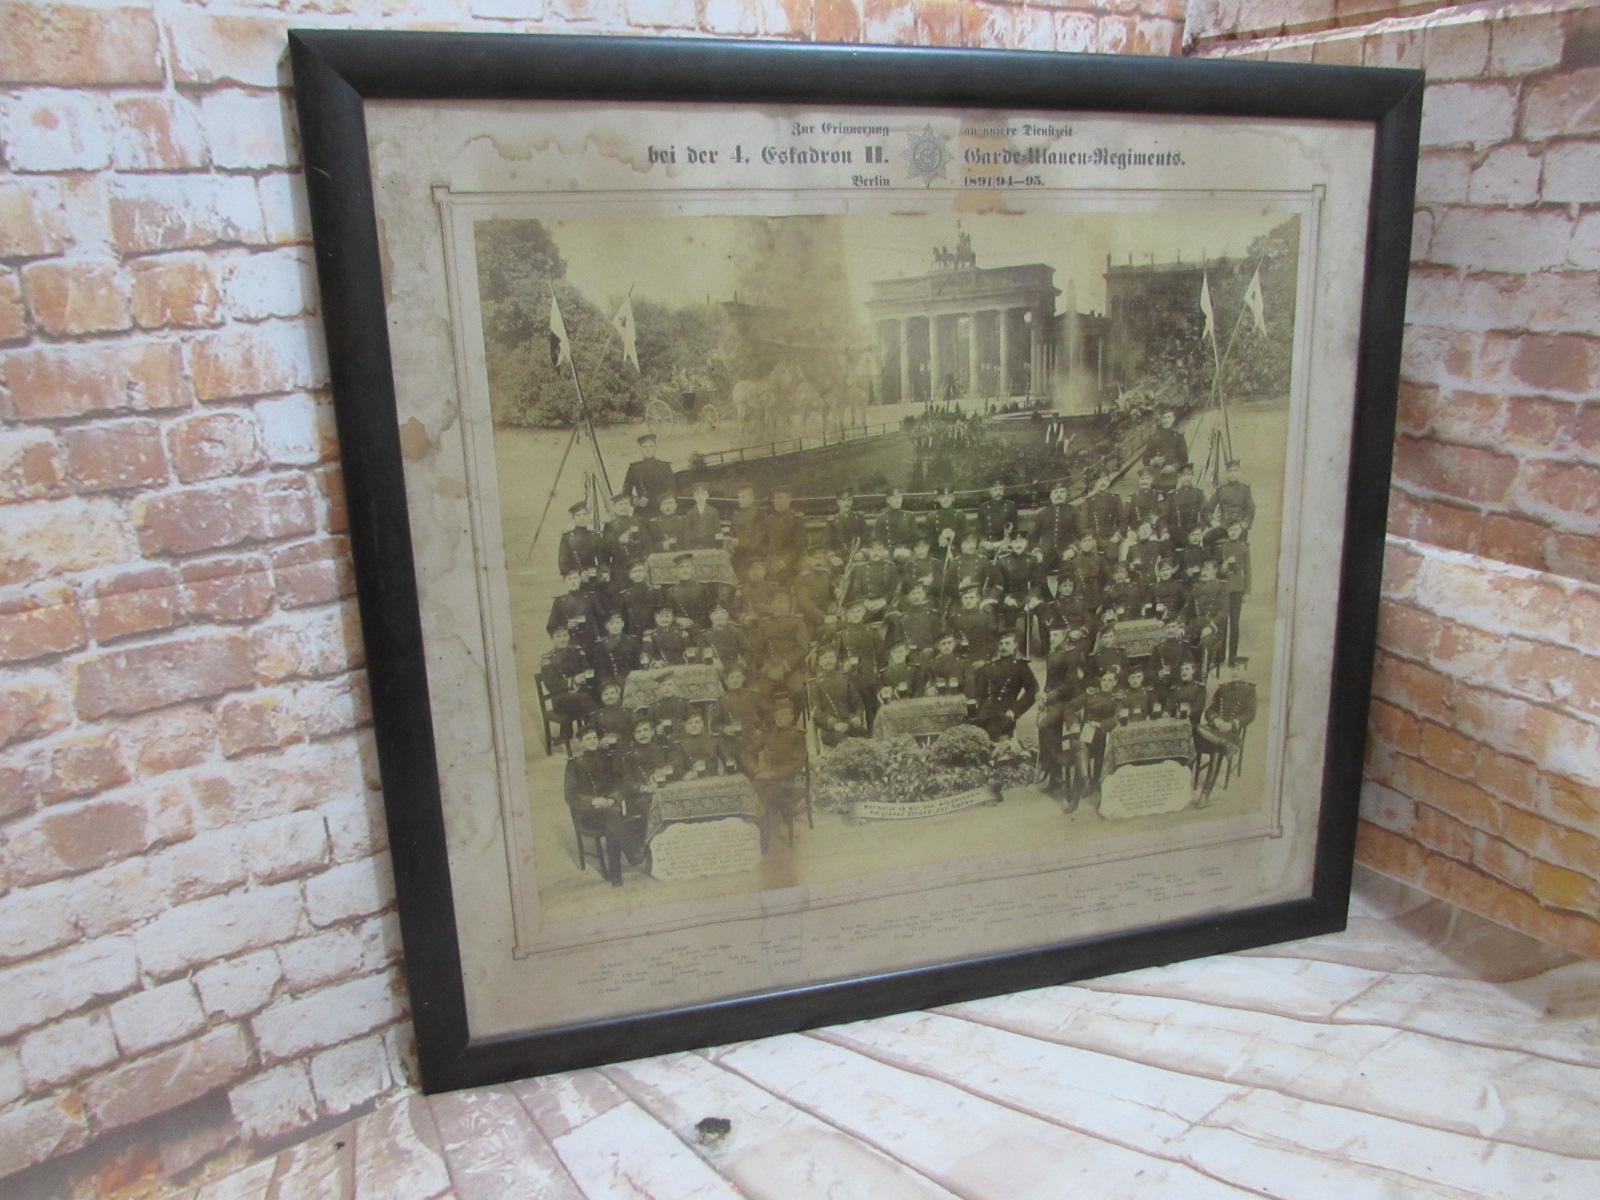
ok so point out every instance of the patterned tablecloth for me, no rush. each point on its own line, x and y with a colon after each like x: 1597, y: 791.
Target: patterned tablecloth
x: 694, y: 681
x: 1149, y: 741
x: 926, y: 714
x: 710, y: 566
x: 1138, y: 638
x: 701, y: 800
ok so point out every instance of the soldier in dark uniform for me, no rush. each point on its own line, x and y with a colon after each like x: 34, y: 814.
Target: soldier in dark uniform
x: 1208, y: 617
x: 1070, y: 609
x: 996, y: 518
x: 1195, y: 551
x: 921, y: 568
x: 1220, y: 734
x: 593, y: 794
x: 847, y: 530
x: 814, y: 591
x: 1087, y: 570
x: 614, y: 722
x: 1055, y: 528
x: 1149, y: 549
x: 1145, y: 506
x: 1233, y: 567
x: 748, y: 527
x: 780, y: 769
x: 1016, y: 574
x: 1169, y: 595
x: 691, y: 600
x: 648, y: 478
x: 1102, y: 514
x: 1168, y: 442
x: 876, y: 582
x: 639, y: 600
x: 644, y: 766
x: 896, y: 527
x: 1003, y: 690
x: 1063, y: 684
x: 1097, y: 713
x: 836, y: 708
x: 576, y: 611
x: 1169, y: 654
x: 900, y: 679
x: 753, y: 600
x: 614, y: 655
x: 666, y: 645
x: 783, y: 636
x: 1185, y: 506
x: 786, y: 531
x: 666, y: 530
x: 947, y: 670
x: 1135, y: 702
x: 969, y: 568
x: 1125, y: 597
x: 916, y: 623
x: 581, y: 548
x: 1185, y: 696
x: 1232, y: 503
x: 698, y: 754
x: 723, y: 641
x: 625, y: 538
x: 861, y: 654
x: 566, y: 675
x: 702, y: 524
x: 947, y: 526
x: 974, y: 626
x: 738, y: 705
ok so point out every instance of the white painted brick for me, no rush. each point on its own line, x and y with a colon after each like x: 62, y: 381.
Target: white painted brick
x: 114, y: 897
x: 284, y: 208
x: 243, y: 49
x: 1572, y: 173
x: 291, y: 1028
x: 1524, y: 44
x: 1585, y: 248
x: 1468, y: 113
x: 312, y: 962
x: 270, y: 283
x: 49, y: 129
x: 11, y: 1085
x: 226, y: 207
x: 296, y: 430
x: 219, y: 927
x: 356, y: 827
x: 241, y: 985
x: 1421, y: 235
x: 32, y: 1133
x: 1458, y: 50
x: 34, y: 920
x: 67, y: 1050
x: 662, y: 14
x: 1501, y: 241
x: 1508, y: 175
x: 330, y: 706
x: 156, y: 1017
x: 508, y: 10
x: 51, y: 987
x: 173, y: 141
x: 352, y: 1074
x: 275, y: 1103
x: 206, y: 864
x: 731, y: 16
x: 352, y: 890
x: 248, y: 130
x: 299, y: 777
x: 279, y: 847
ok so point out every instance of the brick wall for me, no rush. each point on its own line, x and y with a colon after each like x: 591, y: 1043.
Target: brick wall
x: 197, y: 951
x: 1484, y: 766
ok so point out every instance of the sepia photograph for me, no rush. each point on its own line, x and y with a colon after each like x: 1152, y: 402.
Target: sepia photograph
x: 848, y: 542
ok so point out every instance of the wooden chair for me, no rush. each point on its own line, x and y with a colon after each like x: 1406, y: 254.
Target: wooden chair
x: 548, y: 717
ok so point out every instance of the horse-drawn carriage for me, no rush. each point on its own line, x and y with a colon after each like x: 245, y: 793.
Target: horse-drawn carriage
x: 703, y: 410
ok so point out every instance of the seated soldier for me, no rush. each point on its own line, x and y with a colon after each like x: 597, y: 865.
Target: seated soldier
x: 667, y: 645
x: 1169, y: 654
x: 1063, y: 684
x: 702, y: 524
x: 947, y: 670
x: 916, y: 623
x: 1220, y: 734
x: 614, y: 655
x: 782, y: 637
x: 861, y: 653
x: 876, y: 582
x: 592, y: 793
x: 565, y: 672
x: 920, y: 568
x: 1185, y: 696
x: 947, y: 526
x: 969, y: 568
x: 614, y: 722
x: 646, y: 765
x: 698, y: 754
x: 1003, y: 689
x: 900, y: 679
x: 1086, y: 567
x: 1170, y: 595
x: 753, y: 600
x: 738, y: 706
x: 691, y: 599
x: 1135, y: 702
x: 667, y: 531
x: 1124, y: 597
x: 1192, y: 554
x: 638, y: 600
x: 836, y: 708
x: 975, y: 627
x: 723, y: 642
x: 1099, y: 717
x: 815, y: 588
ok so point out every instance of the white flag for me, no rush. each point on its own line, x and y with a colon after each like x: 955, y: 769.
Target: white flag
x: 623, y: 323
x: 1205, y: 307
x: 560, y: 345
x: 1252, y: 299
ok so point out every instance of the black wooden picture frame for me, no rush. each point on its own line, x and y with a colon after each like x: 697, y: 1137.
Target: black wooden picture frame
x: 337, y: 73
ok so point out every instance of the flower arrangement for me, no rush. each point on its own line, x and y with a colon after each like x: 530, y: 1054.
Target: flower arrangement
x: 900, y: 771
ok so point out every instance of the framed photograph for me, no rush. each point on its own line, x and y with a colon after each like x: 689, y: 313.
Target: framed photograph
x: 845, y: 529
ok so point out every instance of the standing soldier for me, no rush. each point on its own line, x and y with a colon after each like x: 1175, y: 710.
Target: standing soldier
x: 614, y: 655
x: 1003, y: 690
x: 974, y: 626
x: 581, y: 548
x: 895, y: 526
x: 1185, y: 505
x: 1087, y: 570
x: 1145, y: 506
x: 648, y: 478
x: 997, y: 518
x: 624, y: 537
x: 749, y: 529
x: 638, y: 599
x: 1208, y: 616
x: 876, y: 582
x: 1233, y: 568
x: 702, y: 524
x: 948, y: 526
x: 847, y: 530
x: 786, y: 530
x: 1055, y: 529
x: 832, y: 700
x: 691, y: 599
x: 576, y: 611
x: 917, y: 623
x: 1102, y: 514
x: 1232, y: 502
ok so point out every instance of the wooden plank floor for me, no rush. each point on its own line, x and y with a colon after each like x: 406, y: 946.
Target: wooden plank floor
x: 1424, y: 1053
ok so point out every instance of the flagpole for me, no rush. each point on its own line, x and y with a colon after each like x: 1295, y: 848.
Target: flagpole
x: 583, y: 406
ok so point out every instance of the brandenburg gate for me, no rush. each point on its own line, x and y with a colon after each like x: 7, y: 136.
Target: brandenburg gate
x: 966, y: 332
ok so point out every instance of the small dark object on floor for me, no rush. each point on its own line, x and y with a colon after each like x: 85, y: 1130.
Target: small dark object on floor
x: 713, y: 1131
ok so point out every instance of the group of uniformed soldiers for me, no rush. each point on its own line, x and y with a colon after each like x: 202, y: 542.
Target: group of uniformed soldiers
x: 825, y: 625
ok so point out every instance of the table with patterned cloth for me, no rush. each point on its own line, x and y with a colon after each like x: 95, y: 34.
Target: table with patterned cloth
x: 924, y: 715
x: 710, y: 566
x: 1138, y: 638
x: 702, y: 800
x: 1149, y: 741
x: 696, y: 682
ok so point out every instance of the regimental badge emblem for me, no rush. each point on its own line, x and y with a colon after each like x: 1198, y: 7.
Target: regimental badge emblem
x: 928, y: 155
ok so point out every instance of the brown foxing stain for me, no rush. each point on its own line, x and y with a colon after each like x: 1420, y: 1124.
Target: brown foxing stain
x: 415, y: 445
